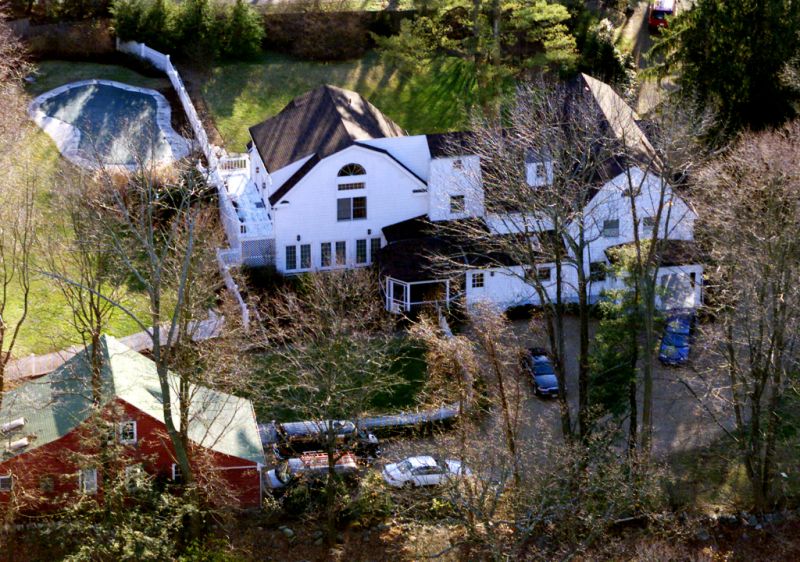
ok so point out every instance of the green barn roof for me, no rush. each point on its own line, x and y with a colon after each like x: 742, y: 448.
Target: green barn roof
x: 57, y: 403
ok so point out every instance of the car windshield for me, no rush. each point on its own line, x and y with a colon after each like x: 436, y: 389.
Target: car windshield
x: 404, y: 466
x: 675, y: 340
x: 660, y: 14
x: 283, y: 473
x: 543, y: 369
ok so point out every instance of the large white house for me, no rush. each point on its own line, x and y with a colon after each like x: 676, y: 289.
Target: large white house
x: 331, y: 182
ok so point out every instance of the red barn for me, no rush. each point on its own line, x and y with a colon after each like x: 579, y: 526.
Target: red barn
x: 53, y: 429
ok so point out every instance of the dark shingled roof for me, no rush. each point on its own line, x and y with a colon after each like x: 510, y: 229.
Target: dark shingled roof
x: 450, y: 144
x: 322, y: 121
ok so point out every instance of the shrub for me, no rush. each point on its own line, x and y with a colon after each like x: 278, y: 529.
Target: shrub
x: 197, y: 30
x: 372, y: 502
x: 243, y: 33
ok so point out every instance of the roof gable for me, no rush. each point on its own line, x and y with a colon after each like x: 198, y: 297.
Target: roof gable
x: 56, y: 404
x: 322, y: 121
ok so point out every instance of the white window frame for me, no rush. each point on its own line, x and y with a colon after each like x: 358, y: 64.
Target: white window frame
x: 458, y: 204
x: 374, y: 249
x: 307, y: 265
x: 121, y: 430
x: 9, y: 478
x: 335, y: 257
x: 287, y: 249
x: 478, y: 281
x: 648, y: 228
x: 610, y: 232
x: 176, y: 470
x: 540, y: 273
x: 87, y: 484
x: 331, y: 260
x: 365, y: 243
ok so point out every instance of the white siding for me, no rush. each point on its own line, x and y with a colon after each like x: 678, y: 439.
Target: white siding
x: 413, y: 152
x: 309, y: 209
x: 447, y: 180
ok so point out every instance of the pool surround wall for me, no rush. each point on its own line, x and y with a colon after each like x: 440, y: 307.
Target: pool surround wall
x: 67, y: 137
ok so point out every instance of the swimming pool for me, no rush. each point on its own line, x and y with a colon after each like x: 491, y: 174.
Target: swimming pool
x: 104, y: 123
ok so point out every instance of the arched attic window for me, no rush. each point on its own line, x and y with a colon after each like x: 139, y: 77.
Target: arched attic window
x: 352, y: 170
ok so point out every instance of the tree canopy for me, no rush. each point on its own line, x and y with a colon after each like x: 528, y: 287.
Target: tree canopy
x: 733, y: 56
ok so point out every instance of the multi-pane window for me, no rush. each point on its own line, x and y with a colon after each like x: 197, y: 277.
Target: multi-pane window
x: 611, y: 228
x: 648, y: 223
x: 305, y: 256
x: 458, y: 164
x: 477, y: 280
x: 543, y: 273
x: 374, y: 248
x: 457, y: 204
x: 361, y: 251
x: 341, y: 253
x: 352, y: 170
x: 177, y: 475
x: 6, y: 483
x: 351, y: 208
x: 349, y: 186
x: 87, y: 481
x: 597, y: 271
x: 291, y: 258
x: 127, y: 432
x: 325, y: 254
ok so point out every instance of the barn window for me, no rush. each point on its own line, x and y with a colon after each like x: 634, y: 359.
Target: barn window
x: 177, y: 475
x: 127, y: 432
x: 87, y: 480
x: 477, y: 280
x: 6, y: 483
x: 352, y: 170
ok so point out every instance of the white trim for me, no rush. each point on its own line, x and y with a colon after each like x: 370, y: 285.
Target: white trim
x: 7, y: 478
x: 87, y: 485
x: 120, y: 427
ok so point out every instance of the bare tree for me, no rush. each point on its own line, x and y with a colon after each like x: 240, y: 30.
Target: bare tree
x: 17, y: 204
x: 81, y: 261
x: 329, y: 355
x: 540, y: 165
x: 750, y: 203
x: 659, y: 164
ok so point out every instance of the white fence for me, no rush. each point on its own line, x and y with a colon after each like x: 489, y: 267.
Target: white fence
x: 230, y: 219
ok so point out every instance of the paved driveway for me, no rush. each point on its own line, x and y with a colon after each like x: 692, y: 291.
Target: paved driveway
x: 688, y: 403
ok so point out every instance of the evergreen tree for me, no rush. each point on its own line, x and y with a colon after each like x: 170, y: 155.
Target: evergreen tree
x: 732, y: 56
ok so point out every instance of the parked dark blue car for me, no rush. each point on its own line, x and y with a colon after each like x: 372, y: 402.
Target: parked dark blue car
x: 676, y: 341
x: 538, y: 364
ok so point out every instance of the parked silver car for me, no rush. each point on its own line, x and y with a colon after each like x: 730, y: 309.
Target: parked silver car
x: 422, y: 471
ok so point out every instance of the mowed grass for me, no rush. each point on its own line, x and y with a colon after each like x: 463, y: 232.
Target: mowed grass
x: 49, y: 324
x: 54, y: 73
x: 436, y: 98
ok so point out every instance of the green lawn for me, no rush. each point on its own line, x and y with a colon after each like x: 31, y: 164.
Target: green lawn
x: 49, y: 323
x: 54, y: 73
x: 241, y: 94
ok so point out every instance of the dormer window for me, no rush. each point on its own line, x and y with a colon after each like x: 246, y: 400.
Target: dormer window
x: 458, y: 164
x: 352, y: 170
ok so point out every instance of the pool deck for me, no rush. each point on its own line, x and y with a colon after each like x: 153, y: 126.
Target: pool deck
x: 67, y: 137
